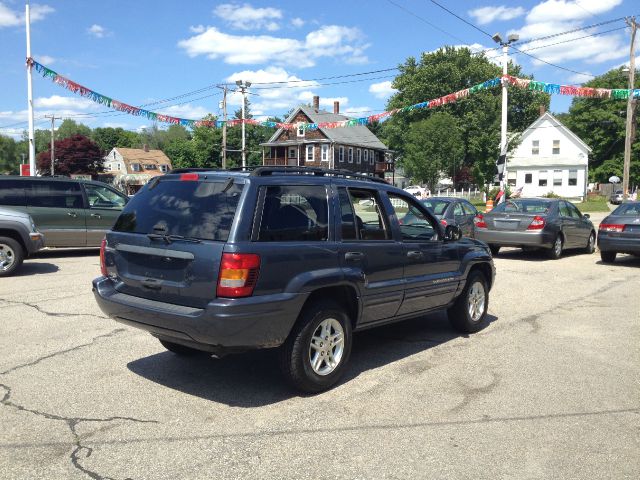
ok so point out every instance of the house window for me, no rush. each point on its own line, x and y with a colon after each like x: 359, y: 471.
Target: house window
x: 118, y: 166
x: 350, y: 155
x: 114, y: 154
x: 300, y: 130
x: 366, y: 156
x: 556, y: 147
x: 292, y: 152
x: 310, y: 153
x: 325, y: 153
x: 371, y: 157
x: 528, y: 178
x: 573, y: 178
x: 358, y: 156
x: 542, y: 178
x: 557, y: 178
x: 164, y: 168
x: 341, y: 154
x: 535, y: 147
x: 135, y: 167
x: 150, y: 166
x: 107, y: 167
x: 511, y: 179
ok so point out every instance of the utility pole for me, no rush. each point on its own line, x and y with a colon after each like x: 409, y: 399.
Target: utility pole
x: 32, y: 140
x: 628, y: 139
x: 502, y: 159
x: 224, y: 128
x: 53, y: 148
x: 243, y: 88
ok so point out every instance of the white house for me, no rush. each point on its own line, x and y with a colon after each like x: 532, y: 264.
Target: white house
x: 550, y: 158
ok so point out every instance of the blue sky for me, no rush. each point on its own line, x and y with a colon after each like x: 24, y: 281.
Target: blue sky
x: 145, y: 51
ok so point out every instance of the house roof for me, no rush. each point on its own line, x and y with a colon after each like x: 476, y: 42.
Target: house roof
x: 558, y: 124
x: 358, y: 135
x: 139, y: 155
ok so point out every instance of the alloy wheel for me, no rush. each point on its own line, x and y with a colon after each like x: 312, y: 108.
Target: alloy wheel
x: 326, y: 347
x: 7, y: 257
x: 476, y: 301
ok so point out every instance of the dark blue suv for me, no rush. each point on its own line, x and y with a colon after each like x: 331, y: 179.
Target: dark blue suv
x: 295, y: 258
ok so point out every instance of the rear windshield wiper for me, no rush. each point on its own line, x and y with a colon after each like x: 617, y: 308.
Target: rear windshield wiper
x: 171, y: 238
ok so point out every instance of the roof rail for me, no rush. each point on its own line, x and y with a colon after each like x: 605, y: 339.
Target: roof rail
x: 192, y: 170
x: 316, y: 171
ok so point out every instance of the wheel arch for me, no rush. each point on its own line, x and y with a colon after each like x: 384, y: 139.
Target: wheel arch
x: 344, y: 295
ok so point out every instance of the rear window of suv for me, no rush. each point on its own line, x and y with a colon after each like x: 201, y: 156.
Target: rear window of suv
x: 203, y: 210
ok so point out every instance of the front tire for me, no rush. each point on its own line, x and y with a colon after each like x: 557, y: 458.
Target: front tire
x: 11, y: 256
x: 608, y: 257
x: 556, y: 250
x: 494, y: 249
x: 315, y: 355
x: 591, y: 244
x: 469, y: 312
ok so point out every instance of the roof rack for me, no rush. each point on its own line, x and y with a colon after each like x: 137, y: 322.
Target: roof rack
x: 212, y: 169
x: 316, y: 171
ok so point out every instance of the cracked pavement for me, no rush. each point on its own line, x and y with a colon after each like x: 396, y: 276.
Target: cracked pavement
x: 550, y: 389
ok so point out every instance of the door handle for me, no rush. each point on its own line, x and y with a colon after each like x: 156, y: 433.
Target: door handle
x: 96, y: 215
x: 354, y: 256
x: 414, y: 254
x: 72, y: 214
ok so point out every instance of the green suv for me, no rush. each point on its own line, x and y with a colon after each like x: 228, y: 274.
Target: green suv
x: 69, y: 212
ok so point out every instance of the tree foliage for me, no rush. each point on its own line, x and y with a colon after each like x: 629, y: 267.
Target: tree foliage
x: 75, y: 155
x: 9, y: 159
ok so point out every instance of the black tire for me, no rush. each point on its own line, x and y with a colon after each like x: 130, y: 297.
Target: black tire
x: 555, y: 252
x: 494, y: 249
x: 178, y: 349
x: 459, y: 314
x: 296, y: 353
x: 11, y: 256
x: 591, y: 243
x: 608, y: 257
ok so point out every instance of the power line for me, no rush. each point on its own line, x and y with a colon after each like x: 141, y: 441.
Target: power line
x: 572, y: 39
x: 425, y: 21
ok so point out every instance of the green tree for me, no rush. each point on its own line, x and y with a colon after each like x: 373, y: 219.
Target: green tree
x: 108, y: 138
x: 9, y: 159
x: 68, y: 128
x: 478, y: 116
x: 434, y: 147
x: 600, y: 123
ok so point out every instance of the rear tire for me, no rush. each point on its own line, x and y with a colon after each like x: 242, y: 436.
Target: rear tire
x: 11, y: 256
x: 469, y: 312
x: 608, y: 257
x: 591, y: 244
x: 178, y: 349
x: 494, y: 249
x: 556, y: 250
x: 316, y: 353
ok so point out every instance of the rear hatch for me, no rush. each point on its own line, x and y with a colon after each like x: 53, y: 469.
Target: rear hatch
x: 168, y: 241
x: 516, y: 215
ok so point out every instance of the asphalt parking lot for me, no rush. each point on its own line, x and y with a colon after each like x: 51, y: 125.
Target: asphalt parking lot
x: 550, y: 389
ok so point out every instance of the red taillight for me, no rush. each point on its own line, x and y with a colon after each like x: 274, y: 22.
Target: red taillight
x: 189, y: 177
x: 443, y: 222
x: 238, y: 274
x: 479, y: 221
x: 103, y: 263
x: 537, y: 223
x: 611, y: 227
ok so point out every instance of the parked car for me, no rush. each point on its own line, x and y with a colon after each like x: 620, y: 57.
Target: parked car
x: 551, y: 224
x: 298, y: 259
x: 616, y: 197
x: 69, y: 212
x: 620, y: 232
x: 19, y: 239
x: 450, y: 211
x: 415, y: 190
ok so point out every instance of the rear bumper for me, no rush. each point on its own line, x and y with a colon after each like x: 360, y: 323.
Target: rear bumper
x: 223, y: 325
x: 533, y: 238
x: 618, y: 244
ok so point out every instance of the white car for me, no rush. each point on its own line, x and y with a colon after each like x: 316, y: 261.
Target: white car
x: 415, y: 190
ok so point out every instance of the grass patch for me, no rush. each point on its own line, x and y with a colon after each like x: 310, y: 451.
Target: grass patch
x: 593, y: 204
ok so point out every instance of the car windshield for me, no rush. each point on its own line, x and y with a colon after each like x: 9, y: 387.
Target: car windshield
x: 628, y: 210
x: 524, y: 206
x: 436, y: 206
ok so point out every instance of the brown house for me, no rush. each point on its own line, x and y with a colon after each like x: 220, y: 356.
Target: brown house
x: 353, y: 148
x: 131, y: 168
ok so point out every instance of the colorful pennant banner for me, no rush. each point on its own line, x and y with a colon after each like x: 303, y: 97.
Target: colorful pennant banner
x: 524, y: 83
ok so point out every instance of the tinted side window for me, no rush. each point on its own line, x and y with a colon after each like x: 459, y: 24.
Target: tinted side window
x: 12, y: 192
x: 564, y: 210
x: 348, y: 218
x: 368, y: 215
x: 294, y: 213
x: 573, y: 210
x: 415, y: 226
x: 457, y: 210
x: 55, y: 195
x: 469, y: 209
x: 103, y: 197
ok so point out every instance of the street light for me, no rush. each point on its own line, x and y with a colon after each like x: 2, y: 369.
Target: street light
x: 243, y: 88
x: 512, y: 38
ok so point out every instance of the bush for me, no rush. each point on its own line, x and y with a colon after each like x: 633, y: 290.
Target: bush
x: 493, y: 193
x: 550, y: 195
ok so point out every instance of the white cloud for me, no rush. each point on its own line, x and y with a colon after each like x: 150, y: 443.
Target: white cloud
x: 97, y: 31
x: 485, y: 15
x: 297, y: 22
x: 192, y: 112
x: 577, y: 78
x: 58, y: 102
x: 331, y: 41
x: 357, y: 111
x: 382, y: 90
x: 197, y: 29
x: 13, y: 18
x: 246, y: 17
x: 45, y: 59
x: 563, y: 10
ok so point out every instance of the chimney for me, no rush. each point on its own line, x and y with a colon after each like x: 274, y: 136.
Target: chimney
x: 316, y: 103
x: 542, y: 110
x: 145, y: 147
x: 336, y: 107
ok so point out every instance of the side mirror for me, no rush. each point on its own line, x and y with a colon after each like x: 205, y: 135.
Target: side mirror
x: 587, y: 216
x: 452, y: 233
